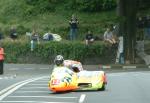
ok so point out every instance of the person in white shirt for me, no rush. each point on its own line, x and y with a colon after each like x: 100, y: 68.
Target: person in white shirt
x: 109, y: 36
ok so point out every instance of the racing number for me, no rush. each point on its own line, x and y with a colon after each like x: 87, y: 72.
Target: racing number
x: 55, y: 81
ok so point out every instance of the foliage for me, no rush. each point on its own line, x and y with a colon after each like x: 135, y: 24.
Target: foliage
x: 46, y: 51
x: 143, y: 4
x: 91, y: 5
x: 42, y: 6
x: 24, y: 14
x: 78, y: 5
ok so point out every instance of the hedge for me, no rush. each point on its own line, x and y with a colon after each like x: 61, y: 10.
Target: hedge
x: 19, y: 52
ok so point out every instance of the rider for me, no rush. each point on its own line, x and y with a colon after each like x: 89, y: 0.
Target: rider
x: 74, y: 65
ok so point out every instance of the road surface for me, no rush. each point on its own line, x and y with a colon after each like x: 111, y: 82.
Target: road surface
x: 123, y: 87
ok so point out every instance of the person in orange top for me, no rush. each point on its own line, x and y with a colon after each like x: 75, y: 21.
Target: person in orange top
x: 1, y: 60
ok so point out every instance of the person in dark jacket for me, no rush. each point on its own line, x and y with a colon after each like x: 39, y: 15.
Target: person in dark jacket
x: 73, y: 27
x: 13, y: 33
x: 89, y: 38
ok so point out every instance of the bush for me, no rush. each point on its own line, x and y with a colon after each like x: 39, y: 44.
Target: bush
x: 21, y: 30
x: 109, y: 4
x: 19, y: 52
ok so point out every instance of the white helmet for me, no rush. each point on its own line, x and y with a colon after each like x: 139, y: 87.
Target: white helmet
x: 59, y: 60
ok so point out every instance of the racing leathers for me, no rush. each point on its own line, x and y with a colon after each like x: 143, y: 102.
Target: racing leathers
x: 71, y: 63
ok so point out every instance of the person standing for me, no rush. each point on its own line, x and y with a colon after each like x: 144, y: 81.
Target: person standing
x: 1, y: 60
x: 34, y: 38
x: 120, y: 51
x: 73, y: 27
x: 147, y: 27
x: 140, y: 25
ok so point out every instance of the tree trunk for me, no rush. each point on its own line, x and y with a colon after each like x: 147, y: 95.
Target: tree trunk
x: 121, y: 12
x: 130, y: 39
x: 127, y: 27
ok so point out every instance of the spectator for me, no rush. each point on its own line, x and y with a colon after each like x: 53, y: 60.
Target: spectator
x: 140, y: 25
x: 140, y: 22
x: 120, y: 51
x: 73, y: 27
x: 1, y: 60
x: 34, y: 38
x: 13, y: 33
x: 89, y: 38
x: 147, y: 27
x: 109, y: 36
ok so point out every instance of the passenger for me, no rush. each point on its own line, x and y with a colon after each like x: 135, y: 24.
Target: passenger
x: 74, y: 65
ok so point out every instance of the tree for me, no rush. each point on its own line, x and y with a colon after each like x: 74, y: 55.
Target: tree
x: 127, y: 10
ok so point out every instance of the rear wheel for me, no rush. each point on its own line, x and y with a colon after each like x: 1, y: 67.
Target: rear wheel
x: 103, y: 87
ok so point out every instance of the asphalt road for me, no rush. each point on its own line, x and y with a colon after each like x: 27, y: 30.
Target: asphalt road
x: 30, y: 86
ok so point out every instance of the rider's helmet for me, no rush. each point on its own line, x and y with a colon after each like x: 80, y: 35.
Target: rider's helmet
x: 75, y: 68
x: 59, y: 60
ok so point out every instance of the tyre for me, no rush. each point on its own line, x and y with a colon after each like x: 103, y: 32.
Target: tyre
x: 103, y: 87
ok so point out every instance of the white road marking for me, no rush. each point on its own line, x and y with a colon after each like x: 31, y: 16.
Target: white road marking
x: 106, y: 67
x: 44, y: 68
x: 82, y: 98
x: 10, y: 77
x: 131, y: 67
x: 10, y: 87
x: 37, y: 84
x: 127, y: 73
x: 32, y: 92
x: 116, y: 74
x: 46, y: 81
x: 31, y: 102
x: 29, y: 68
x: 42, y: 97
x: 13, y: 68
x: 16, y: 86
x: 28, y: 88
x: 121, y: 74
